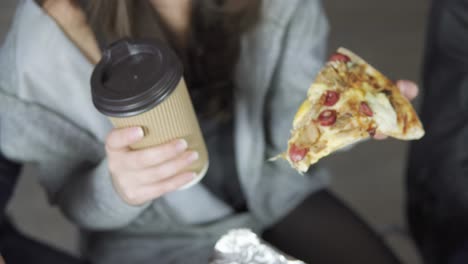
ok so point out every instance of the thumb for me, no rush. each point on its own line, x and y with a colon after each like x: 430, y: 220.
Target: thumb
x: 408, y: 88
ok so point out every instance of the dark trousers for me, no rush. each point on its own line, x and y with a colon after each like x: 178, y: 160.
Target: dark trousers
x: 322, y: 229
x: 437, y: 176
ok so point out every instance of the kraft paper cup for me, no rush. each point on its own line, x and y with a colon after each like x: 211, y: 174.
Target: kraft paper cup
x: 140, y: 83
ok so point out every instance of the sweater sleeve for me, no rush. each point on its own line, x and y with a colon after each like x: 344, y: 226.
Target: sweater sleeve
x: 302, y: 54
x: 304, y: 49
x: 70, y: 163
x: 90, y: 200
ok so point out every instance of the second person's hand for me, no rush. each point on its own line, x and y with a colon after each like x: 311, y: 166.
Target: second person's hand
x: 140, y: 176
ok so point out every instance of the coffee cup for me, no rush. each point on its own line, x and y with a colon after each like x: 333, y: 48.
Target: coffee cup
x: 140, y: 83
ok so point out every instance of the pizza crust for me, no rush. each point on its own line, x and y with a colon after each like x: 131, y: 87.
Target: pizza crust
x: 409, y: 125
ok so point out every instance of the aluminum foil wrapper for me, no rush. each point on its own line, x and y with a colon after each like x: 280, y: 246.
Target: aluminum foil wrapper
x: 242, y: 246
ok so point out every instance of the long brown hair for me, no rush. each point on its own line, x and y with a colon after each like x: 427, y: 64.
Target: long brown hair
x: 213, y: 47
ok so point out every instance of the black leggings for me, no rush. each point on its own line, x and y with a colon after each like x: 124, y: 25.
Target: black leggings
x: 324, y: 230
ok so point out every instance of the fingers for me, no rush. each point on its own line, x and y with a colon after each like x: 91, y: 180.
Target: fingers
x: 138, y: 195
x: 121, y: 139
x: 379, y: 136
x: 150, y: 157
x: 408, y: 88
x: 153, y: 191
x: 167, y: 169
x: 143, y: 175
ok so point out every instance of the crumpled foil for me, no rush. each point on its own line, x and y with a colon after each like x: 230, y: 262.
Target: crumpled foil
x: 242, y: 246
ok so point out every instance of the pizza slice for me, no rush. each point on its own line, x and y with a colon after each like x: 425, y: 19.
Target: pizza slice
x: 349, y: 101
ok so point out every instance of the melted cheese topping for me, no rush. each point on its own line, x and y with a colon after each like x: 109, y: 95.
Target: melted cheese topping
x: 301, y: 113
x: 384, y: 114
x: 330, y: 137
x: 316, y: 91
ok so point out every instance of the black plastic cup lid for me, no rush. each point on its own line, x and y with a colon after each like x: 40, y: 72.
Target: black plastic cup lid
x: 134, y: 76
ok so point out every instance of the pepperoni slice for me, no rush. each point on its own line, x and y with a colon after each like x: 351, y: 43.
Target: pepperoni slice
x: 339, y: 57
x: 327, y: 118
x: 331, y: 97
x: 365, y: 109
x: 296, y: 153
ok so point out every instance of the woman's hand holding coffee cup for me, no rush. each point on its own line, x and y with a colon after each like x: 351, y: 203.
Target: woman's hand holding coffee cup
x: 143, y: 175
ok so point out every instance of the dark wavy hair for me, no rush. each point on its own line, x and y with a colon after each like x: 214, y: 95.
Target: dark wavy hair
x: 213, y: 46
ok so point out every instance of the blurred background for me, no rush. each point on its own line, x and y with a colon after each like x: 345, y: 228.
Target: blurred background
x: 370, y: 177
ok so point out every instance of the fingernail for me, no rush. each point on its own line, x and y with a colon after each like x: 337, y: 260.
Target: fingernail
x: 188, y: 177
x: 138, y: 132
x: 193, y: 156
x: 181, y: 145
x: 380, y: 137
x: 192, y: 175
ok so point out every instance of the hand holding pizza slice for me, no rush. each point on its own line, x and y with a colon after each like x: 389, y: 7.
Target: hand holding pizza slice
x: 349, y: 101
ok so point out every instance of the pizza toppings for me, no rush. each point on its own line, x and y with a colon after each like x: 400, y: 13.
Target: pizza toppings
x: 312, y: 133
x: 339, y: 57
x: 365, y: 109
x: 319, y: 146
x: 348, y: 101
x: 405, y: 123
x: 331, y: 97
x: 327, y: 118
x: 344, y: 121
x: 302, y: 111
x: 297, y: 154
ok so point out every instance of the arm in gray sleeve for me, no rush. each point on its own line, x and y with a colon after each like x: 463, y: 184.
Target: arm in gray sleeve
x: 303, y: 51
x: 303, y: 56
x: 70, y: 162
x: 90, y: 200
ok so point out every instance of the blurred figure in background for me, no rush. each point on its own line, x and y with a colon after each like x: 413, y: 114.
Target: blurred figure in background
x: 437, y: 177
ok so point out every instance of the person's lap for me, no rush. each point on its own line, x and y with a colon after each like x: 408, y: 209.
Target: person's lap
x: 324, y: 230
x: 321, y: 229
